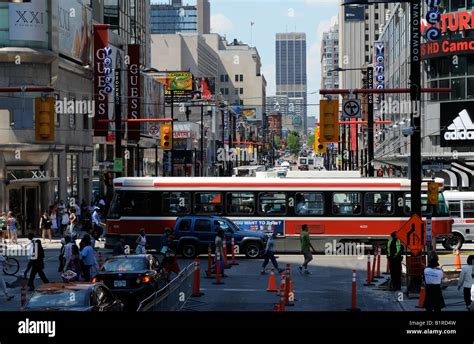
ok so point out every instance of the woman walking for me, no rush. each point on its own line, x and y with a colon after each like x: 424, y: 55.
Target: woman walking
x: 434, y: 300
x: 45, y: 225
x: 466, y: 281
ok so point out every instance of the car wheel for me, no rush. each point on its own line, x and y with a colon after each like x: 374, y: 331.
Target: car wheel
x: 252, y: 250
x: 454, y: 242
x: 189, y: 250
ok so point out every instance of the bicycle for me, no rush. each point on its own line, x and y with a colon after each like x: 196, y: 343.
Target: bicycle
x: 11, y: 266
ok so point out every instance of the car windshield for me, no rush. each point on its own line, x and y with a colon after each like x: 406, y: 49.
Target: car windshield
x: 124, y: 265
x: 59, y: 299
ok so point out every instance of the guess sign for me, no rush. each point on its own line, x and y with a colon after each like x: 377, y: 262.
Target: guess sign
x: 102, y: 78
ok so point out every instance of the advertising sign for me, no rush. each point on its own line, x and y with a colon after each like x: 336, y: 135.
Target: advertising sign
x: 354, y: 13
x: 28, y: 21
x: 134, y: 91
x: 75, y: 30
x: 447, y: 48
x: 456, y: 122
x: 277, y: 226
x: 205, y: 88
x: 250, y: 114
x: 379, y: 69
x: 102, y: 79
x: 180, y: 83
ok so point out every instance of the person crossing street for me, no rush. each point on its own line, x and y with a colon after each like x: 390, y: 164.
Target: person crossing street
x: 306, y: 249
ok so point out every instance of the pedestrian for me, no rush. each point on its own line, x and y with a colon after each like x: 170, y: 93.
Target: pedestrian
x: 12, y: 227
x: 87, y: 257
x: 395, y: 251
x: 306, y: 248
x: 3, y: 226
x: 466, y: 281
x: 64, y: 221
x: 219, y: 243
x: 433, y: 274
x: 73, y: 223
x: 45, y: 225
x: 269, y: 254
x: 54, y: 221
x: 37, y: 262
x: 97, y: 225
x: 141, y: 243
x: 74, y: 262
x: 170, y: 260
x: 77, y: 212
x: 4, y: 262
x: 119, y: 247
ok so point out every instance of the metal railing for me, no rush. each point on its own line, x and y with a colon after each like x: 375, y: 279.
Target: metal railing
x: 173, y: 296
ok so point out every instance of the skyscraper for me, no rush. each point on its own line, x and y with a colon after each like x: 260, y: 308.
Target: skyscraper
x: 291, y: 79
x: 176, y: 17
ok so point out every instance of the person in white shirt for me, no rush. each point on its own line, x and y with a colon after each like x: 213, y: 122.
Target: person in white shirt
x: 433, y: 274
x: 141, y: 243
x: 466, y: 280
x: 64, y: 221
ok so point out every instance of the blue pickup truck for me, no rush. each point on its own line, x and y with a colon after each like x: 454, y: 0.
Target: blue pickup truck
x: 195, y: 233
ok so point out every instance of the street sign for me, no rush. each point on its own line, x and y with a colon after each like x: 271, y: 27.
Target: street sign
x: 118, y: 165
x: 154, y: 130
x: 351, y: 108
x: 429, y: 229
x: 413, y: 234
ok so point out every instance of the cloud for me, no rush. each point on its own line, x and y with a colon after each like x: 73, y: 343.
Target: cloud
x: 269, y: 71
x: 221, y: 24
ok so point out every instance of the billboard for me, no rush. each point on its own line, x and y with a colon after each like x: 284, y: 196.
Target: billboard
x: 456, y: 124
x: 102, y: 77
x: 28, y: 21
x: 180, y: 83
x: 354, y: 13
x: 134, y: 91
x: 447, y: 48
x: 204, y: 88
x: 75, y: 30
x: 249, y: 114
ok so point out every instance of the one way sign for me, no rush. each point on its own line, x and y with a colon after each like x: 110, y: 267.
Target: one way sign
x: 413, y: 234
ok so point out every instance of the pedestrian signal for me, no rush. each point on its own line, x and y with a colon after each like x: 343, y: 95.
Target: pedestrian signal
x: 329, y: 121
x: 166, y: 137
x: 44, y: 119
x: 433, y: 191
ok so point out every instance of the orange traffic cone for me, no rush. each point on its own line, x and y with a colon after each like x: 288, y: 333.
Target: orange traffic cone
x: 421, y: 300
x: 282, y: 283
x: 272, y: 282
x: 457, y: 263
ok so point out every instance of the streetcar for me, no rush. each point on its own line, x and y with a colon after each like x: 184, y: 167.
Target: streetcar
x: 361, y: 210
x: 461, y: 207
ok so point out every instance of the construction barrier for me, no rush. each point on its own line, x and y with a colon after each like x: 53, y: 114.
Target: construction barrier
x: 421, y: 300
x: 197, y: 279
x: 379, y: 253
x: 354, y: 293
x: 272, y: 282
x: 218, y: 270
x: 282, y: 295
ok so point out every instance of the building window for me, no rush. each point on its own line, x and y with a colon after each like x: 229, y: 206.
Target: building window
x: 458, y: 87
x: 236, y: 78
x: 241, y: 102
x: 241, y: 91
x: 470, y: 88
x: 241, y: 78
x: 236, y: 91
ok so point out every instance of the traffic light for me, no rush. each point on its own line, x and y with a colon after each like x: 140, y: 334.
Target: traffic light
x: 319, y: 147
x: 44, y: 119
x: 433, y: 191
x: 166, y: 136
x: 329, y: 121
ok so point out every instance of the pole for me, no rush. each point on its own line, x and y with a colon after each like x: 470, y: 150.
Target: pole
x: 156, y: 160
x: 370, y: 120
x: 415, y: 95
x: 202, y: 141
x: 118, y: 117
x: 172, y: 133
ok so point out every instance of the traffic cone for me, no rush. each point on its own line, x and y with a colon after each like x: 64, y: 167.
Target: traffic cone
x: 234, y: 261
x: 369, y: 280
x: 282, y: 295
x: 421, y: 300
x: 457, y: 263
x: 218, y: 270
x: 272, y: 282
x: 276, y: 308
x: 379, y: 251
x: 197, y: 280
x: 354, y: 293
x: 209, y: 262
x: 281, y: 287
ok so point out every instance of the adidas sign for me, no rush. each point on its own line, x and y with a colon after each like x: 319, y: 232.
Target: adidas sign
x: 461, y: 129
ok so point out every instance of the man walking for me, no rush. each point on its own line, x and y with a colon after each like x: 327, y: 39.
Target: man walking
x: 37, y: 263
x: 394, y: 256
x: 306, y: 249
x: 269, y: 254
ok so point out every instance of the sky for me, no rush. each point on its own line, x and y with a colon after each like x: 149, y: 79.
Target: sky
x: 232, y: 18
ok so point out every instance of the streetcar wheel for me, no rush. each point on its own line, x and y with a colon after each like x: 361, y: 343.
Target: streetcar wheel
x: 11, y: 267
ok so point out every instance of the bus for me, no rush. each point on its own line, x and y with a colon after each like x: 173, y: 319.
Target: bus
x: 461, y: 208
x: 362, y: 210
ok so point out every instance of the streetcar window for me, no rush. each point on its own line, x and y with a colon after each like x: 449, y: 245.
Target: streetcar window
x: 309, y: 204
x: 440, y: 210
x: 455, y: 208
x: 348, y: 203
x: 176, y: 203
x: 202, y: 226
x: 208, y: 203
x: 240, y: 203
x: 468, y: 210
x: 378, y: 203
x: 134, y: 203
x: 272, y: 203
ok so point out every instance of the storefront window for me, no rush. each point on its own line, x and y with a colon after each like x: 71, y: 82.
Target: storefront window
x: 458, y: 87
x: 459, y: 65
x: 444, y: 95
x: 470, y: 88
x: 443, y: 67
x: 434, y: 95
x: 470, y: 4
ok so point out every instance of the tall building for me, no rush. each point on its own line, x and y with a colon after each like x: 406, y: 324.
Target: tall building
x: 291, y: 110
x: 176, y: 17
x: 330, y: 58
x: 291, y: 78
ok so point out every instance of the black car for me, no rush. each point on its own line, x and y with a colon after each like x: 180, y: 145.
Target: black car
x: 73, y: 296
x: 131, y: 278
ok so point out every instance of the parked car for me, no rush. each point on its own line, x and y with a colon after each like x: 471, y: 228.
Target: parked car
x: 195, y: 233
x: 131, y: 278
x: 73, y: 296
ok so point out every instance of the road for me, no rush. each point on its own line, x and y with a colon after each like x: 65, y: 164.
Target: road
x: 328, y: 288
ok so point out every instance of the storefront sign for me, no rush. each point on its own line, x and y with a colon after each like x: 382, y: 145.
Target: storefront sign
x: 28, y: 21
x: 102, y: 79
x: 452, y: 22
x: 134, y: 91
x: 457, y: 126
x: 181, y: 134
x: 447, y: 48
x: 178, y: 86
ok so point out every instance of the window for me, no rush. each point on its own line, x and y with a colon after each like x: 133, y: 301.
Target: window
x: 202, y: 226
x: 137, y: 203
x: 458, y: 87
x: 184, y: 226
x: 378, y: 203
x: 455, y: 208
x: 236, y: 91
x: 241, y: 91
x: 440, y: 210
x: 236, y: 78
x: 348, y: 203
x: 468, y: 210
x: 176, y: 203
x: 272, y: 203
x: 240, y: 203
x: 309, y: 204
x: 241, y: 78
x: 241, y: 102
x: 208, y: 203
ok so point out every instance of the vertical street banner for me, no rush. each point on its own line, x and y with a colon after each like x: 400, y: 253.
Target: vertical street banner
x: 102, y: 79
x: 353, y: 134
x: 134, y: 91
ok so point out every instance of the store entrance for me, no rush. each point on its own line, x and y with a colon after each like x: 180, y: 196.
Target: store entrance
x: 23, y: 201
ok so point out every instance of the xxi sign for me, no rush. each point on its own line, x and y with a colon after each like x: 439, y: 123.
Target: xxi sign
x: 28, y: 21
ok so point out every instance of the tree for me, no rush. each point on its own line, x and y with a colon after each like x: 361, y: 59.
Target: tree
x: 311, y: 141
x: 293, y: 142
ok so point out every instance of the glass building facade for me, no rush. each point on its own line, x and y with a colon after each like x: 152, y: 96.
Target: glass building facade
x: 169, y: 19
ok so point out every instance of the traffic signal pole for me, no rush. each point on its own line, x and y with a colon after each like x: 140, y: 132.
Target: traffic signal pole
x: 370, y: 120
x: 118, y: 118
